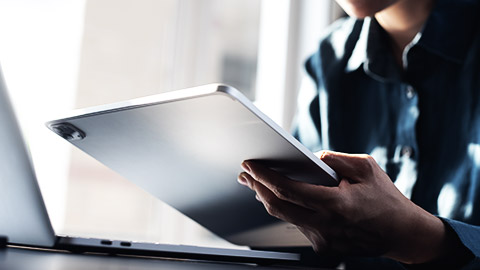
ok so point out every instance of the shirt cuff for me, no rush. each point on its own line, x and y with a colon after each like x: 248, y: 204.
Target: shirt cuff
x: 468, y: 234
x: 469, y: 237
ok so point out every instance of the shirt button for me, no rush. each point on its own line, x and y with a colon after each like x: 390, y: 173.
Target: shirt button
x: 410, y: 92
x: 407, y: 151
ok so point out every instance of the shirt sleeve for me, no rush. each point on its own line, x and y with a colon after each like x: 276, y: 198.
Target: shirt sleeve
x: 469, y: 236
x: 306, y: 126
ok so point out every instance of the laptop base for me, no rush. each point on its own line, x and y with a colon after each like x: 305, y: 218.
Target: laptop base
x: 114, y: 247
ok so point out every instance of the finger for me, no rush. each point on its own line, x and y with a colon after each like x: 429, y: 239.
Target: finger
x: 318, y: 242
x: 278, y: 208
x: 304, y: 194
x: 331, y: 247
x: 352, y: 167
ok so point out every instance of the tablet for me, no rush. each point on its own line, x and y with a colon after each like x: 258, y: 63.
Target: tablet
x: 185, y: 147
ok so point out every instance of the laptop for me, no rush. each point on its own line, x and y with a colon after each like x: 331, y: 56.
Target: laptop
x: 185, y: 147
x: 24, y: 219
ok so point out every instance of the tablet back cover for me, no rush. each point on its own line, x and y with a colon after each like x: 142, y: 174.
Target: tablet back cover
x: 186, y: 148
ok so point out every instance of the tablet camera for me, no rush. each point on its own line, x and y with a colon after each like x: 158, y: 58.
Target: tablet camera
x: 68, y: 131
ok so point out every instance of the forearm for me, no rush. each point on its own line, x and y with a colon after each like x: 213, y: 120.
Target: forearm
x: 420, y: 238
x: 432, y: 242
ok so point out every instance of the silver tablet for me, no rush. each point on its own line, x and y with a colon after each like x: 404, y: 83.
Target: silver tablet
x: 185, y: 147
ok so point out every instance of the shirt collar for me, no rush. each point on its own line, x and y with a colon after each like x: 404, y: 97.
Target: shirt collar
x: 448, y: 33
x: 451, y: 28
x: 374, y: 53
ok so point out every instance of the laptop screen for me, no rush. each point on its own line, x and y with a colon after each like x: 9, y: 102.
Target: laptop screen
x: 23, y: 216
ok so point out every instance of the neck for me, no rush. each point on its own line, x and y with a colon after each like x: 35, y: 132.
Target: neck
x: 403, y: 21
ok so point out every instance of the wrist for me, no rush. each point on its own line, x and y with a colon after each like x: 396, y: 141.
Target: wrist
x: 423, y: 238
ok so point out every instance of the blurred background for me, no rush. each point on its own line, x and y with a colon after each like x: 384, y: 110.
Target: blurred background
x: 61, y: 55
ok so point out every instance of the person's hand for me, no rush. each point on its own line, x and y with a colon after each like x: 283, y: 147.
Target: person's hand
x: 364, y: 215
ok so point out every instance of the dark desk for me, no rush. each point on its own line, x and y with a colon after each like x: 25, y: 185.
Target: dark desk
x: 14, y: 258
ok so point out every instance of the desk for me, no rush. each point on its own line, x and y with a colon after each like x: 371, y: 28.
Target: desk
x: 15, y: 258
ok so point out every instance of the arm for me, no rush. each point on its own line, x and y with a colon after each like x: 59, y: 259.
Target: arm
x: 365, y: 215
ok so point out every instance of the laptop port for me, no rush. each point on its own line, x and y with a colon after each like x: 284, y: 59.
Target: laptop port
x: 106, y: 242
x: 125, y: 244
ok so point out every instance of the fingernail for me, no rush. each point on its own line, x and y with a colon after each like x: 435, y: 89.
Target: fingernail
x: 323, y: 155
x: 258, y: 198
x: 246, y: 167
x: 242, y: 180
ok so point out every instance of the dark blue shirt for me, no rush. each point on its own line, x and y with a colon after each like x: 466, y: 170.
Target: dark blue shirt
x: 420, y: 122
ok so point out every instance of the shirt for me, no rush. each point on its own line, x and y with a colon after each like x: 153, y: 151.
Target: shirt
x: 421, y: 122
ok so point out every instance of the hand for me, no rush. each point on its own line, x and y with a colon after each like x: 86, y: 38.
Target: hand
x: 364, y: 215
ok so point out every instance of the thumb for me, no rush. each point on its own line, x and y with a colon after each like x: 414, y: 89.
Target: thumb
x: 353, y: 167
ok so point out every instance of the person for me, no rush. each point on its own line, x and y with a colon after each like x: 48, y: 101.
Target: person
x: 400, y: 81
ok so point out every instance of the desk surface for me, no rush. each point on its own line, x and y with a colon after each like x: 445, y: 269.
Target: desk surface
x: 14, y: 258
